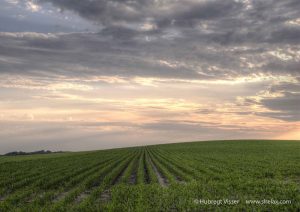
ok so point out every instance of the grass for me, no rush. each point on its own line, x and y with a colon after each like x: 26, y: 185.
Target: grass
x: 170, y: 177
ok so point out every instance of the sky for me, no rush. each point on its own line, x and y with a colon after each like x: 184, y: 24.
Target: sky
x: 96, y: 74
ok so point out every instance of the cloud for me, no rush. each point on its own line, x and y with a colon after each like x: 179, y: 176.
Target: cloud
x: 74, y: 136
x: 28, y: 35
x: 32, y: 6
x: 29, y: 16
x: 14, y: 2
x: 214, y: 21
x: 110, y: 53
x: 150, y: 69
x: 103, y: 11
x: 286, y: 106
x: 207, y: 39
x: 279, y: 101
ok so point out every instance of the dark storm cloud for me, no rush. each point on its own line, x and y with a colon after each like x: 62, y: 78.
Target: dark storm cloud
x: 224, y: 22
x: 26, y: 16
x: 93, y: 54
x: 168, y: 39
x: 163, y: 13
x: 102, y: 11
x: 283, y: 103
x: 189, y: 14
x: 111, y: 53
x: 287, y: 105
x: 289, y: 102
x: 283, y: 66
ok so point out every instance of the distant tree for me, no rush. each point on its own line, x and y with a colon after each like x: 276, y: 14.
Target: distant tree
x: 15, y: 153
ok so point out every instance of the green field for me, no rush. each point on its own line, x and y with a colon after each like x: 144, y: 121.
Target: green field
x: 172, y: 177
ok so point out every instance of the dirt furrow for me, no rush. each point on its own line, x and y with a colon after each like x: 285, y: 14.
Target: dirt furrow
x: 120, y: 175
x: 161, y: 179
x: 105, y: 196
x: 60, y: 197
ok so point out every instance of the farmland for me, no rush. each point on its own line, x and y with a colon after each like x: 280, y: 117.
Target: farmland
x: 172, y: 177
